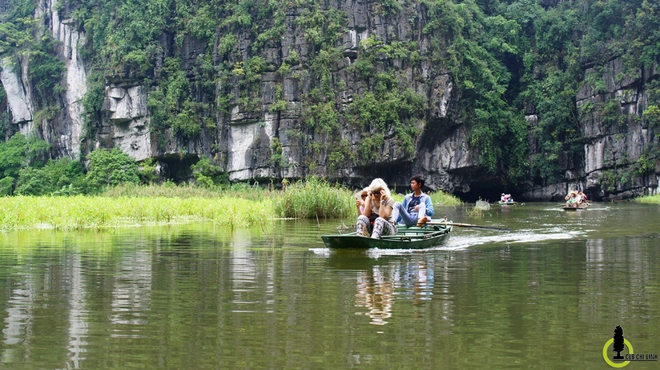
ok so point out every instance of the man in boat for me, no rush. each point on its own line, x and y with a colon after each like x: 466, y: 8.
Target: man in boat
x: 417, y: 207
x: 378, y: 207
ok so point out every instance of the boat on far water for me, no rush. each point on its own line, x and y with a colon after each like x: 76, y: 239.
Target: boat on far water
x: 509, y: 203
x: 407, y: 238
x: 506, y: 200
x: 582, y: 207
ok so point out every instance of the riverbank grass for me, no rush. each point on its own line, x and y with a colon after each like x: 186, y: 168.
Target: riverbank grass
x: 142, y: 205
x: 653, y: 199
x: 83, y: 212
x: 171, y: 190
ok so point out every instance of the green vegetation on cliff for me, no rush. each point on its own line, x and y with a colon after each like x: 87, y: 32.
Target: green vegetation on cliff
x: 517, y: 66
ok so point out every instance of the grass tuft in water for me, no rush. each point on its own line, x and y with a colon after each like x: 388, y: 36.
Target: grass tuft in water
x: 477, y: 211
x: 315, y: 198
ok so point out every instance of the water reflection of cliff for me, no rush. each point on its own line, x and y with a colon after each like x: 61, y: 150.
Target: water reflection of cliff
x: 107, y: 283
x: 622, y: 267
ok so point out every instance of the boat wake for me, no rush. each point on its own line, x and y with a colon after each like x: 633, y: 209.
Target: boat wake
x: 461, y: 242
x: 530, y: 236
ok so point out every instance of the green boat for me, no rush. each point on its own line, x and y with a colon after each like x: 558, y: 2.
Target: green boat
x: 512, y: 203
x: 407, y: 238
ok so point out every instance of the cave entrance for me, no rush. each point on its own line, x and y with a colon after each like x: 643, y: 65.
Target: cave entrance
x: 176, y: 168
x: 490, y: 191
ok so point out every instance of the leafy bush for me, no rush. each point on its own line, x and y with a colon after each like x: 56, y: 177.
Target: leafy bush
x: 7, y: 186
x: 64, y: 176
x: 147, y: 171
x: 209, y: 175
x: 19, y: 152
x: 110, y: 168
x: 13, y: 155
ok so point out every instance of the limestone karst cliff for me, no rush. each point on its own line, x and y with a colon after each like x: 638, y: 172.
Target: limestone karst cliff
x: 465, y: 94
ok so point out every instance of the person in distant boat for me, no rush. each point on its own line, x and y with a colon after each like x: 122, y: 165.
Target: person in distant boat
x: 377, y: 218
x: 572, y: 200
x: 582, y: 198
x: 503, y: 197
x: 417, y: 207
x: 360, y: 197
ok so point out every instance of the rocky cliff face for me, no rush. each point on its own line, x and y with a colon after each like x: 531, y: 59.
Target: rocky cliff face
x: 614, y: 149
x: 255, y: 141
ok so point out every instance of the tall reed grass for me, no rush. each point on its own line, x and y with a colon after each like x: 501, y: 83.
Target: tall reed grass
x: 234, y: 206
x: 653, y: 199
x: 441, y: 198
x: 315, y: 198
x: 81, y: 212
x: 171, y: 190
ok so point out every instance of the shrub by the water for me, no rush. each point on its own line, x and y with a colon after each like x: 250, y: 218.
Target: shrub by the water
x: 110, y: 168
x: 57, y: 177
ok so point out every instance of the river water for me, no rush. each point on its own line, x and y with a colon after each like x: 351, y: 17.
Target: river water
x: 549, y: 294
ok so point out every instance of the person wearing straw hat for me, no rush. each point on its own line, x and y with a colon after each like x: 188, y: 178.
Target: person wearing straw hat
x: 572, y: 199
x: 377, y: 218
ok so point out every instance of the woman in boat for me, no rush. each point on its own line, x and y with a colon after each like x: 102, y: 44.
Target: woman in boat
x: 360, y: 196
x: 572, y: 200
x: 377, y: 218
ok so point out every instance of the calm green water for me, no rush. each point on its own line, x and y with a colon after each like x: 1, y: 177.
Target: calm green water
x: 547, y: 295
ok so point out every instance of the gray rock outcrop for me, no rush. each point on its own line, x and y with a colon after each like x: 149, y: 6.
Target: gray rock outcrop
x: 256, y: 142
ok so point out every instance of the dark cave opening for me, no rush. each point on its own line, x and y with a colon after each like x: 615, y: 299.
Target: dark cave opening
x: 176, y: 168
x: 490, y: 192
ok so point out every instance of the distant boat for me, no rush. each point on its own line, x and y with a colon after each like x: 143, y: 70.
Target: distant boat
x: 510, y: 203
x: 582, y: 207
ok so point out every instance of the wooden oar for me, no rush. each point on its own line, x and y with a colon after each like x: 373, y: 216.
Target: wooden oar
x: 468, y: 225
